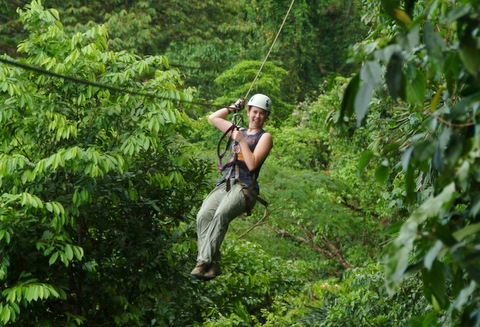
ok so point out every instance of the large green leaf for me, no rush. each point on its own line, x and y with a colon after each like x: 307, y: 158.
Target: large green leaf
x: 370, y: 78
x: 348, y: 101
x: 434, y: 285
x: 433, y: 41
x: 395, y: 77
x: 416, y: 86
x: 364, y: 160
x: 382, y: 172
x: 362, y: 101
x: 468, y: 49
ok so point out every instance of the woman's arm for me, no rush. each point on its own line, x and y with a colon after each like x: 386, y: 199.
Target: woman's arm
x: 219, y: 121
x: 218, y: 117
x: 258, y: 156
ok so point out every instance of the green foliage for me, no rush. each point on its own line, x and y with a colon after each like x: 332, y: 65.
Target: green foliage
x: 94, y: 182
x: 313, y: 42
x: 429, y: 62
x: 252, y: 287
x: 100, y: 188
x: 362, y: 300
x: 236, y: 82
x: 9, y: 27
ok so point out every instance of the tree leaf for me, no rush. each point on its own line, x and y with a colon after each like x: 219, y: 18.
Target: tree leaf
x: 416, y: 87
x: 434, y: 285
x: 364, y: 160
x: 398, y: 255
x: 459, y: 11
x: 53, y: 258
x: 382, y: 172
x: 434, y: 43
x: 402, y: 16
x: 68, y: 251
x: 432, y: 254
x: 371, y: 73
x: 362, y: 101
x: 348, y: 100
x: 468, y: 51
x: 466, y: 231
x: 395, y: 77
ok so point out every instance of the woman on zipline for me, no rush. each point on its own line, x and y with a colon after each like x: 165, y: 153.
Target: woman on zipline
x: 237, y: 190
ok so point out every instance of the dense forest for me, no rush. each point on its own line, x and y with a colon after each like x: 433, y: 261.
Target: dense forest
x: 106, y: 155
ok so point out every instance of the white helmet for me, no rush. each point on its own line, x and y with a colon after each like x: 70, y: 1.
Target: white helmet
x: 261, y: 101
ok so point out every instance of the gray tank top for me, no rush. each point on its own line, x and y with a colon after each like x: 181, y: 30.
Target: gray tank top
x: 246, y: 176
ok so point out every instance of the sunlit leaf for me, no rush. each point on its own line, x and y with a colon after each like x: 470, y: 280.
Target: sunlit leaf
x: 466, y: 231
x: 432, y: 254
x: 371, y: 73
x: 402, y: 16
x: 364, y: 160
x: 399, y: 252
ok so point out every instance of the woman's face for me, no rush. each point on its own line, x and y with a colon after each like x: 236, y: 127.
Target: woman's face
x: 256, y: 117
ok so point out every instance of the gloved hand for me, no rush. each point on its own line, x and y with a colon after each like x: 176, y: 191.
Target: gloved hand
x: 239, y: 105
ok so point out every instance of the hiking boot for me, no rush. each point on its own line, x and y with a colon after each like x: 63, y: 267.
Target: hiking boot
x: 212, y: 272
x: 200, y: 269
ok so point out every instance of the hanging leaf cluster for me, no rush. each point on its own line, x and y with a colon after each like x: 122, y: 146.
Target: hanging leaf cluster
x: 430, y: 67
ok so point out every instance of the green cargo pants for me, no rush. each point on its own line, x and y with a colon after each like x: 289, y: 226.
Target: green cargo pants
x: 218, y: 209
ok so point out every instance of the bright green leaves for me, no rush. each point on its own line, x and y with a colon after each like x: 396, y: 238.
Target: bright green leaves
x: 65, y: 252
x: 75, y: 168
x: 432, y: 75
x: 399, y: 251
x: 364, y: 160
x: 8, y: 312
x: 392, y: 8
x: 30, y: 290
x: 382, y: 172
x: 404, y: 81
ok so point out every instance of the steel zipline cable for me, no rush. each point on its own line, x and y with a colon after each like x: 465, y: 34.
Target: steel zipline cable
x: 99, y: 85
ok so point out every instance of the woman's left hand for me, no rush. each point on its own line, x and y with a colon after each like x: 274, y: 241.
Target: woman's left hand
x: 237, y: 136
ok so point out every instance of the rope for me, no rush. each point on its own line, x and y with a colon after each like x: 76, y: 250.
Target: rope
x: 270, y: 50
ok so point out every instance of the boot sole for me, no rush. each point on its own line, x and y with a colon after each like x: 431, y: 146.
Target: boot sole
x: 202, y: 277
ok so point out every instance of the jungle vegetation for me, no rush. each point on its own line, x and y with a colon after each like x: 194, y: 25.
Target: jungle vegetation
x: 106, y: 156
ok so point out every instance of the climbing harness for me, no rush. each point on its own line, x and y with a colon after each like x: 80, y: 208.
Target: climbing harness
x: 235, y: 165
